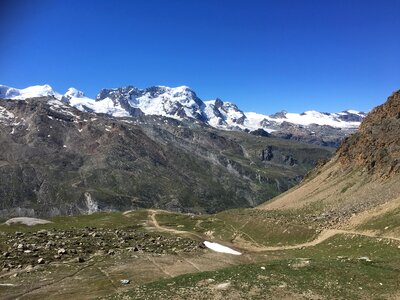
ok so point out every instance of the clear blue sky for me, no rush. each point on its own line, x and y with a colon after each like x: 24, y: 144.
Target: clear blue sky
x: 264, y: 55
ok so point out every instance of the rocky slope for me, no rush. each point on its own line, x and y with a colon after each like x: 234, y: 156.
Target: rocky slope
x: 182, y: 103
x: 56, y: 159
x: 376, y: 146
x: 363, y: 174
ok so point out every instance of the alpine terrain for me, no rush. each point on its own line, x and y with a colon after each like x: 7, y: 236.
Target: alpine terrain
x: 335, y: 235
x: 69, y: 155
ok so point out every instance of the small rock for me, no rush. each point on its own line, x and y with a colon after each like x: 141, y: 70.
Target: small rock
x: 80, y: 259
x: 223, y: 286
x: 262, y: 268
x: 365, y: 258
x: 40, y: 261
x: 49, y: 244
x: 29, y: 268
x: 61, y: 251
x: 111, y: 252
x: 125, y: 281
x: 6, y: 254
x: 42, y: 232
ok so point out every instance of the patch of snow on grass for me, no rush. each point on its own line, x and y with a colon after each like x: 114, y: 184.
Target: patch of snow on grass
x: 220, y: 248
x: 26, y: 221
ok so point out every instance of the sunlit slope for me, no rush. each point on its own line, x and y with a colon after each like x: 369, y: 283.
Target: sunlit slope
x: 363, y: 174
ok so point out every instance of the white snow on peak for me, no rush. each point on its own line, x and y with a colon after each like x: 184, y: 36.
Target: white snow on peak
x: 73, y: 92
x: 29, y: 92
x: 180, y: 88
x: 354, y: 112
x: 223, y: 114
x: 306, y: 118
x: 106, y: 106
x: 220, y: 248
x: 181, y: 102
x: 166, y: 101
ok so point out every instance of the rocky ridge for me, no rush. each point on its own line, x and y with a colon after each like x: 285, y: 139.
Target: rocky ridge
x: 326, y: 129
x: 376, y: 146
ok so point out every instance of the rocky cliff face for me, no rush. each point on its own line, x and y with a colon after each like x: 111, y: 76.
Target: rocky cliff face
x: 364, y: 173
x: 376, y: 146
x: 57, y: 160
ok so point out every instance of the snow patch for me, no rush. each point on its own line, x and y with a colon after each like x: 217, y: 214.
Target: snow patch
x: 26, y: 221
x: 90, y: 203
x: 220, y: 248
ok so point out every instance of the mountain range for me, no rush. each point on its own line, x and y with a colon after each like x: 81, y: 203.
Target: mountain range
x: 334, y: 235
x: 326, y: 129
x: 68, y: 154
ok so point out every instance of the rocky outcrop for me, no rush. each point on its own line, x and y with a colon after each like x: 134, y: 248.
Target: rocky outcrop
x: 376, y: 146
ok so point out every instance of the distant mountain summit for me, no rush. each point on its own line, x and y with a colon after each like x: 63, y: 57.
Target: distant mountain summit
x: 182, y: 103
x: 178, y: 103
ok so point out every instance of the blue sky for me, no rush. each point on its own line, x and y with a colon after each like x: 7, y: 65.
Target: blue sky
x: 263, y: 55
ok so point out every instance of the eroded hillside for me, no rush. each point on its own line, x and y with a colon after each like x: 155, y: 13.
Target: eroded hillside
x: 57, y: 160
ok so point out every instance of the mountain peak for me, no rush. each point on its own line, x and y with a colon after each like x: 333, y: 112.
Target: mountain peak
x: 74, y: 93
x: 29, y: 92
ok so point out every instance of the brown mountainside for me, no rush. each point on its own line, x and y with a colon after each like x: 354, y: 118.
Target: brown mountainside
x: 376, y: 146
x: 363, y: 174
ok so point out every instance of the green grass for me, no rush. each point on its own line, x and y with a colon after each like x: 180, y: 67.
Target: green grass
x: 101, y: 219
x: 333, y: 271
x: 387, y: 221
x: 256, y: 226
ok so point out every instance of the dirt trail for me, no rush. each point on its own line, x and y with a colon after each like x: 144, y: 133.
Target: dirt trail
x: 323, y: 236
x: 154, y: 221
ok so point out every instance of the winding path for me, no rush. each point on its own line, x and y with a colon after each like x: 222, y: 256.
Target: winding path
x: 154, y: 221
x: 323, y: 236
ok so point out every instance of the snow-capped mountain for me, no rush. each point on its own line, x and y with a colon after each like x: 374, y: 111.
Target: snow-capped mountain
x: 29, y: 92
x: 224, y: 114
x: 179, y: 103
x: 183, y: 103
x: 344, y: 119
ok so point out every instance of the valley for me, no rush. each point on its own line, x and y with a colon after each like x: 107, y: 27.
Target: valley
x: 334, y: 235
x: 199, y: 150
x: 171, y: 261
x: 58, y: 160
